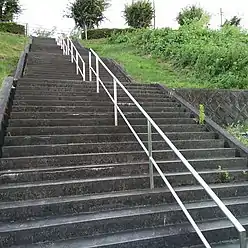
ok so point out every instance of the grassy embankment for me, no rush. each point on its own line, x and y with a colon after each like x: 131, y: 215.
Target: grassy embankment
x: 10, y: 47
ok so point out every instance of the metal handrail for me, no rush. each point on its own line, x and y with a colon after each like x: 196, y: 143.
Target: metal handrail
x: 152, y: 162
x: 68, y: 49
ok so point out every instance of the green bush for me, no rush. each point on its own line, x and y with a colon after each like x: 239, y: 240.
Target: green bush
x: 11, y: 27
x: 105, y: 32
x: 219, y: 57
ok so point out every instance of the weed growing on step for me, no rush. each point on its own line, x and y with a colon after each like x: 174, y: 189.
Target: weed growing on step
x: 202, y: 114
x: 224, y: 176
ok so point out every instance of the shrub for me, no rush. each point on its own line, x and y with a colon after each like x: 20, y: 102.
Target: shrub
x: 105, y: 32
x: 11, y: 27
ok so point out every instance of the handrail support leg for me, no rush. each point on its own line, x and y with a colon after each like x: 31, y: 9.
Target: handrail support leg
x: 151, y: 173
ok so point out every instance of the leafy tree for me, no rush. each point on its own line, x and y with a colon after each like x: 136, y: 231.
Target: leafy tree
x: 190, y: 14
x: 8, y: 9
x: 234, y: 21
x: 88, y: 13
x: 139, y: 14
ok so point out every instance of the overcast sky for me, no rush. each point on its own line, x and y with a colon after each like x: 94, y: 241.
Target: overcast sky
x: 49, y: 13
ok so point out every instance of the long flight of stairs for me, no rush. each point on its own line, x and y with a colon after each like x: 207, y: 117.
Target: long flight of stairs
x: 70, y: 178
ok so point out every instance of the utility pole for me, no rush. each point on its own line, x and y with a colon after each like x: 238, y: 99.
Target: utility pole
x: 221, y: 17
x: 154, y: 17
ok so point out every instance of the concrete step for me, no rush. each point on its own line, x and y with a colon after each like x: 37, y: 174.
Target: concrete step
x: 69, y: 82
x: 52, y: 149
x: 82, y: 109
x: 86, y: 84
x: 97, y: 109
x: 126, y: 169
x: 101, y: 138
x: 94, y: 122
x: 17, y: 131
x: 82, y: 91
x: 176, y: 236
x: 83, y: 88
x: 68, y: 115
x: 92, y: 97
x: 76, y: 93
x: 110, y: 157
x: 90, y: 103
x: 89, y: 186
x: 40, y: 208
x: 71, y: 75
x: 89, y: 225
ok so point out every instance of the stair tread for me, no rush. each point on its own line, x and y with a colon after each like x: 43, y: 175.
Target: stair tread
x: 113, y: 178
x: 2, y: 172
x: 103, y: 134
x: 115, y: 194
x: 124, y: 152
x: 105, y: 215
x: 110, y: 143
x: 139, y: 235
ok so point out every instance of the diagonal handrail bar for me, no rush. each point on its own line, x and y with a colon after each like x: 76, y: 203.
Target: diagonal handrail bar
x: 152, y: 163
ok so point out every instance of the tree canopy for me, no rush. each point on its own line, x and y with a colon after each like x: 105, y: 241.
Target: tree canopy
x: 8, y: 9
x: 190, y: 14
x: 88, y: 13
x: 139, y: 14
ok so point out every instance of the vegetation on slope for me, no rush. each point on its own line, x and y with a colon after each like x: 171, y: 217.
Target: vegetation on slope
x: 218, y: 57
x: 10, y: 47
x: 239, y: 130
x: 142, y: 68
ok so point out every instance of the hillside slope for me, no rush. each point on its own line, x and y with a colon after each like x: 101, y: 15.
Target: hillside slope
x: 10, y: 47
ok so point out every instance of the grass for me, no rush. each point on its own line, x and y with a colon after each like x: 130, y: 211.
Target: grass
x: 10, y: 47
x: 237, y: 131
x: 141, y: 68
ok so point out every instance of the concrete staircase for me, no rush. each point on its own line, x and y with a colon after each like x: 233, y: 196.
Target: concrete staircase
x: 70, y: 178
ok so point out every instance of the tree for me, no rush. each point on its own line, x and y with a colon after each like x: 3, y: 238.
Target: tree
x: 191, y: 13
x: 8, y: 9
x: 88, y: 13
x: 139, y: 14
x: 234, y: 21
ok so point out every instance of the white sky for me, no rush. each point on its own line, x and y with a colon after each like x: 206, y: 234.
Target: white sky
x: 49, y: 13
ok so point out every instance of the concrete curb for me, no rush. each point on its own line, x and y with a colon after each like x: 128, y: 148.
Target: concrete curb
x: 22, y: 62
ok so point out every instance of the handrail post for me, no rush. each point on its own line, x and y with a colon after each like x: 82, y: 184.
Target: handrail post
x: 84, y: 76
x: 242, y: 239
x: 151, y: 174
x: 71, y: 52
x: 68, y: 47
x: 115, y: 103
x: 97, y: 75
x: 90, y: 64
x: 63, y: 47
x: 77, y: 63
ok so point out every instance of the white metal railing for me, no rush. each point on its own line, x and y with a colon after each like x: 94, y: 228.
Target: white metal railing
x: 69, y: 49
x: 149, y: 152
